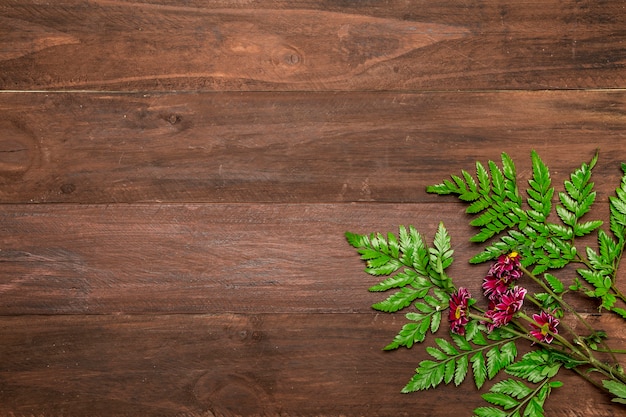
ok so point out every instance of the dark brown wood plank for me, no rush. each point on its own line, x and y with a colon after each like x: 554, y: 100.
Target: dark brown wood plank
x: 311, y: 45
x: 145, y: 259
x: 290, y: 147
x: 230, y: 364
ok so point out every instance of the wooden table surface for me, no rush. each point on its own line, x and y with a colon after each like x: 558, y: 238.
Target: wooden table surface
x: 176, y: 178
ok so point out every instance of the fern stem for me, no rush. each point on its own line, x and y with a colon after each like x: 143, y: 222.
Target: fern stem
x: 620, y: 351
x: 558, y: 298
x: 618, y: 293
x: 575, y: 313
x: 525, y: 401
x: 584, y: 376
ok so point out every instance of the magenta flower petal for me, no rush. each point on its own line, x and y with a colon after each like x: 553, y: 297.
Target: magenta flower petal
x: 459, y: 311
x: 545, y: 324
x: 502, y: 311
x: 501, y: 275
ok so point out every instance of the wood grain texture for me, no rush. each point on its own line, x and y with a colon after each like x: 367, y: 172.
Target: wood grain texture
x: 311, y: 45
x: 176, y: 179
x: 232, y: 364
x: 76, y: 259
x: 292, y: 147
x: 198, y: 259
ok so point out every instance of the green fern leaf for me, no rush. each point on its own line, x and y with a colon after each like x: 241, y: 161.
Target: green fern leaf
x: 429, y: 374
x: 490, y: 412
x: 555, y: 284
x: 462, y: 366
x: 578, y: 198
x: 441, y: 254
x: 566, y: 216
x: 435, y: 321
x: 561, y: 232
x: 582, y: 229
x: 414, y: 250
x: 598, y: 261
x: 479, y: 369
x: 534, y: 366
x: 516, y: 389
x: 411, y: 333
x: 493, y: 362
x: 449, y: 371
x: 473, y: 333
x: 401, y: 279
x: 618, y: 212
x: 500, y: 358
x: 503, y: 400
x: 400, y: 299
x: 495, y: 196
x: 356, y: 240
x: 510, y: 180
x: 436, y: 353
x: 515, y: 395
x: 541, y: 192
x: 497, y: 179
x: 447, y: 347
x: 461, y: 342
x: 609, y: 249
x: 508, y: 353
x: 616, y: 388
x: 534, y: 407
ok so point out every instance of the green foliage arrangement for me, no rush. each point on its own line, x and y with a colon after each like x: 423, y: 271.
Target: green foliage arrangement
x: 526, y: 247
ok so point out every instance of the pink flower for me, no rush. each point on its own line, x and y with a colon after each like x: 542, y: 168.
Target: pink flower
x: 501, y: 274
x: 545, y: 324
x: 459, y: 311
x: 502, y: 310
x: 506, y: 264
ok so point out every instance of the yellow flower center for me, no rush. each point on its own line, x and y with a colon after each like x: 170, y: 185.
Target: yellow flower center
x: 457, y: 313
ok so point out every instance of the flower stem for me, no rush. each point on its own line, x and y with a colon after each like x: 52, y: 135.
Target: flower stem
x: 569, y: 309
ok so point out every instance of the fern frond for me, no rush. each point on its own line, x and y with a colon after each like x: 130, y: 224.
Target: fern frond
x: 577, y: 199
x: 452, y: 360
x: 494, y: 197
x: 602, y: 265
x: 541, y: 192
x: 514, y: 398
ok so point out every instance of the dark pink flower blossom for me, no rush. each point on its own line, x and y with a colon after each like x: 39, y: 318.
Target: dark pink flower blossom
x: 502, y: 310
x: 501, y: 275
x: 545, y: 324
x: 459, y: 311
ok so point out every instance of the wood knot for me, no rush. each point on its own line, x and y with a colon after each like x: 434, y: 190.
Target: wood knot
x: 286, y: 58
x: 174, y: 118
x: 68, y: 188
x: 18, y: 150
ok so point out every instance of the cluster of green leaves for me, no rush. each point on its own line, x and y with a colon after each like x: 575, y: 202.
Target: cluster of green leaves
x: 487, y: 355
x: 602, y: 264
x: 549, y: 300
x: 494, y: 197
x: 514, y: 397
x: 414, y: 271
x: 506, y: 225
x: 415, y: 275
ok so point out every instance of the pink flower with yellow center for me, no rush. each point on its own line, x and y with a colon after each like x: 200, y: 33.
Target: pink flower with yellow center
x: 544, y: 327
x: 459, y: 311
x: 502, y: 310
x: 501, y: 275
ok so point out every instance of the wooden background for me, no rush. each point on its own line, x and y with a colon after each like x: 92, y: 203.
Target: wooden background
x: 176, y: 178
